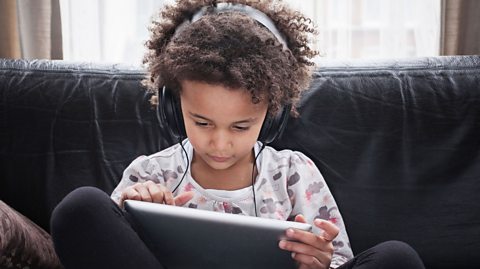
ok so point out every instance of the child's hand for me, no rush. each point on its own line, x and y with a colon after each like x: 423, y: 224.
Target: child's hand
x: 311, y: 250
x: 149, y: 191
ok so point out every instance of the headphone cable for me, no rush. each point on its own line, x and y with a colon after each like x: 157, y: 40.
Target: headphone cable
x: 253, y: 178
x: 186, y: 170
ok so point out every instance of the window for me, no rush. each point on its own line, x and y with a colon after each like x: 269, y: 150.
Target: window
x: 375, y: 28
x: 116, y: 30
x: 106, y: 31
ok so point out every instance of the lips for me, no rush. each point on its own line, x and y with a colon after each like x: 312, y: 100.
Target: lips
x: 219, y: 159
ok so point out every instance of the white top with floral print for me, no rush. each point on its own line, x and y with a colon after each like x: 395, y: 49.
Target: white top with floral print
x: 288, y: 183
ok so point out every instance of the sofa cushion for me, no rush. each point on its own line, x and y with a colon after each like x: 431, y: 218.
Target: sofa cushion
x: 23, y: 244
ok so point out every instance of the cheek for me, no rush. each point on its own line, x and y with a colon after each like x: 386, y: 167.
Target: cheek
x: 247, y: 141
x: 188, y: 128
x: 193, y: 135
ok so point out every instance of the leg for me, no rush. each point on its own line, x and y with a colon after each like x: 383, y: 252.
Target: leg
x: 90, y: 231
x: 390, y: 254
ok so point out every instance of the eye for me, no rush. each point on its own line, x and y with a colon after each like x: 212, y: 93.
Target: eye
x: 241, y: 128
x: 201, y: 124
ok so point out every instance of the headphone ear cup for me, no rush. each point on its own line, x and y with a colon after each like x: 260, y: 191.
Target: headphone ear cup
x: 266, y: 127
x: 273, y: 127
x: 169, y: 114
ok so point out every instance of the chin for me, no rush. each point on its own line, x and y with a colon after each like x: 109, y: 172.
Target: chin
x: 220, y: 166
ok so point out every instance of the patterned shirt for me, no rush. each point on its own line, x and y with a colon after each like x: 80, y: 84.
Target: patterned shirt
x: 288, y: 183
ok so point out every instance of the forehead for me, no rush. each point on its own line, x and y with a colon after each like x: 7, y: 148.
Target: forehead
x: 218, y: 101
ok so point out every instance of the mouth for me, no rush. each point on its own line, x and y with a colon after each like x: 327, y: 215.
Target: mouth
x: 219, y: 159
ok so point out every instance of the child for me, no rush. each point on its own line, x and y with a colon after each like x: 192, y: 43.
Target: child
x: 225, y: 78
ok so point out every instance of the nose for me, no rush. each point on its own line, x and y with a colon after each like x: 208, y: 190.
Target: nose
x: 221, y: 141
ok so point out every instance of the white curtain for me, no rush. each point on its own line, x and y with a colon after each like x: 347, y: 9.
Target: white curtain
x: 374, y: 28
x: 107, y: 30
x: 115, y: 30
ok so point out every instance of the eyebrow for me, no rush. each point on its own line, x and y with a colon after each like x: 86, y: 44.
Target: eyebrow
x: 250, y: 120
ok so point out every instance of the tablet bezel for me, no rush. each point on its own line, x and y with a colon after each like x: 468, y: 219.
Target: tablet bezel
x: 204, y: 239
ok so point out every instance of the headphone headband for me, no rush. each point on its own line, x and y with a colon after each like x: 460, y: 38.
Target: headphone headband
x: 251, y: 12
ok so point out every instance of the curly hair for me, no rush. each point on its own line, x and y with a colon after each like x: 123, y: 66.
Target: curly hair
x: 231, y: 49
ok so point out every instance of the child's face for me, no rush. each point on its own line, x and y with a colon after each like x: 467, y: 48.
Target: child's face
x: 222, y: 124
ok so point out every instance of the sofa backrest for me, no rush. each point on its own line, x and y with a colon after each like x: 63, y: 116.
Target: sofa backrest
x: 399, y: 145
x: 66, y: 125
x: 398, y: 142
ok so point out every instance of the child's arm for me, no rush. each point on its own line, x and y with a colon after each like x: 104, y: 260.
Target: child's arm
x: 311, y: 198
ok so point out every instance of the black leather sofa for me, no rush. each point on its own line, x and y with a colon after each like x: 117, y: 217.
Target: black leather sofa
x: 397, y: 141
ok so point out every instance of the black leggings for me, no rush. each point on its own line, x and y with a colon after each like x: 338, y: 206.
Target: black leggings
x: 90, y: 231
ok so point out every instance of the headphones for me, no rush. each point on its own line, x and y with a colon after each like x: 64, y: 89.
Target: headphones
x: 169, y: 112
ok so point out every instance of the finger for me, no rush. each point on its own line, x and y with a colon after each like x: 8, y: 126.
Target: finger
x: 127, y: 195
x: 143, y: 191
x: 304, y: 254
x: 299, y: 248
x: 167, y: 196
x: 330, y: 230
x: 300, y: 218
x: 305, y: 237
x: 156, y: 192
x: 183, y: 198
x: 301, y: 265
x: 130, y: 194
x: 307, y: 261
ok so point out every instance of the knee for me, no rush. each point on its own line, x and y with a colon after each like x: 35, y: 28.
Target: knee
x: 397, y: 248
x: 397, y: 252
x: 79, y: 205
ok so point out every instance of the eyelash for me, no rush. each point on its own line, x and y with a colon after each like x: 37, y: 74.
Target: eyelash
x: 241, y: 128
x: 205, y: 124
x: 201, y: 124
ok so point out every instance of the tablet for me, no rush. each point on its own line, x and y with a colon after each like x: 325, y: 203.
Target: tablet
x: 184, y: 238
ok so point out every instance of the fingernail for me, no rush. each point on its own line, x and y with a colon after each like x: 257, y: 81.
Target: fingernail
x: 293, y: 254
x: 282, y: 244
x: 318, y: 221
x: 290, y: 232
